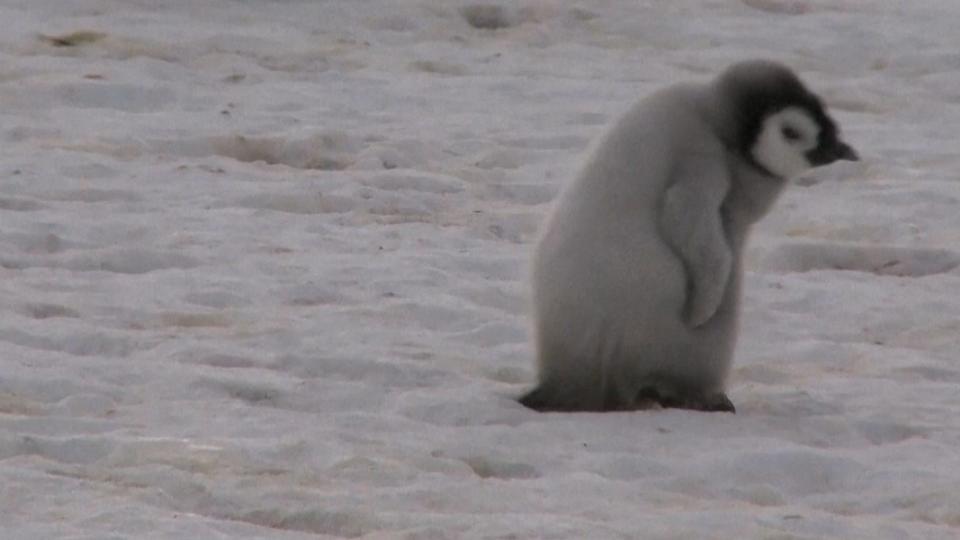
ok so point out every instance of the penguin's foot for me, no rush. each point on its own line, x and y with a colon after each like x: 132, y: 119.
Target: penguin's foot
x: 536, y: 399
x: 553, y: 398
x: 718, y: 402
x: 715, y: 402
x: 545, y: 398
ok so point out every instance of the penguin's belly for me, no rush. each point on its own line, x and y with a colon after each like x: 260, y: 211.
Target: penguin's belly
x: 638, y: 281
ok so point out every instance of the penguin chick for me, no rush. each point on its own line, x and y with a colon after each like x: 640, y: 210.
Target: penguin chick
x: 636, y: 276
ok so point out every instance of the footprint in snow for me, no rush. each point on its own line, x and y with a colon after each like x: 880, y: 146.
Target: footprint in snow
x: 329, y: 151
x: 879, y: 260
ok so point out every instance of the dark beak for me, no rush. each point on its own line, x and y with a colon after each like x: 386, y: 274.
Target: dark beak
x: 823, y: 155
x: 846, y: 152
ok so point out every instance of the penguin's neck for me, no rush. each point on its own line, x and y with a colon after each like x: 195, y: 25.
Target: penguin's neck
x: 751, y: 196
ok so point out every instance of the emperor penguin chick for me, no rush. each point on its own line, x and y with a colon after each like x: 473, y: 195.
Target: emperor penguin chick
x: 636, y: 276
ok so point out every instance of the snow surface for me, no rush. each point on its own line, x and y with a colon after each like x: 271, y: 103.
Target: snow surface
x: 262, y: 274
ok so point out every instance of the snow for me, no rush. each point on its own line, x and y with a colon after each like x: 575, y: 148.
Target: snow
x: 262, y: 274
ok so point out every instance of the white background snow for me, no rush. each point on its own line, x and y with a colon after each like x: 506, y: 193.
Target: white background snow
x: 262, y: 274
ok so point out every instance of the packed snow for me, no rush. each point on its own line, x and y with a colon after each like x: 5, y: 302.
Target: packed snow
x: 262, y: 274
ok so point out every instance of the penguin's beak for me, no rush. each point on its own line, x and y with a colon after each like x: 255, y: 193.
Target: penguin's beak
x: 846, y: 152
x: 823, y: 155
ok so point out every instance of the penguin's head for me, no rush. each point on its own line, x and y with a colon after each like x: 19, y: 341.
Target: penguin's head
x: 782, y: 128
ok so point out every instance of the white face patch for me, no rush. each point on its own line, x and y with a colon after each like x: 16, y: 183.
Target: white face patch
x: 785, y: 138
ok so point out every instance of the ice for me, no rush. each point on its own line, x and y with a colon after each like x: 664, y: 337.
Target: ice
x: 263, y: 274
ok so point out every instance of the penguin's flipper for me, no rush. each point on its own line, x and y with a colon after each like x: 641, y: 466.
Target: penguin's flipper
x: 691, y: 224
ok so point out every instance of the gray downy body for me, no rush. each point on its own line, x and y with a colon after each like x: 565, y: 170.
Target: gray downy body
x: 609, y: 292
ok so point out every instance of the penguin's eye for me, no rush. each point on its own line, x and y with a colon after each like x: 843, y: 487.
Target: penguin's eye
x: 791, y: 133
